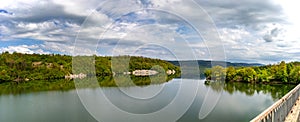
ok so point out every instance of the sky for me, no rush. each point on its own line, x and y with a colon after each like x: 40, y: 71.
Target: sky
x: 260, y: 31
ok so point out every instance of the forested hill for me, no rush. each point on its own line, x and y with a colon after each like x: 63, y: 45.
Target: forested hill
x: 203, y: 63
x: 17, y: 66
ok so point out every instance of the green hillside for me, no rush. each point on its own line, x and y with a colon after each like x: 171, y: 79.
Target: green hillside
x: 17, y: 67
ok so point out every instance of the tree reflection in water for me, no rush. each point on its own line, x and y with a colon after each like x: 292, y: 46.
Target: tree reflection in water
x: 276, y: 90
x: 65, y: 85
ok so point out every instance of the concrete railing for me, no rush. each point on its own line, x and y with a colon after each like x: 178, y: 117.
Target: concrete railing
x: 280, y: 109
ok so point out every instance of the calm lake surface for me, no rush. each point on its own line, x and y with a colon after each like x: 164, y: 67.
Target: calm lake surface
x: 238, y: 102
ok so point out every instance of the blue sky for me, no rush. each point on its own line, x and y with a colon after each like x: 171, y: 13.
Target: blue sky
x: 250, y: 31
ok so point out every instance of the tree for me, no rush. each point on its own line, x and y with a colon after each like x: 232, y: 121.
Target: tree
x: 207, y: 74
x: 218, y: 73
x: 281, y: 74
x: 263, y: 76
x: 247, y: 74
x: 295, y: 75
x: 290, y: 67
x: 230, y: 73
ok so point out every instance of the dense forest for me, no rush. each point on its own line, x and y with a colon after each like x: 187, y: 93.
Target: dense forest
x: 276, y: 73
x: 17, y: 67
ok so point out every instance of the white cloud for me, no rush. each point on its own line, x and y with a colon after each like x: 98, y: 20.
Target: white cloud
x: 78, y: 7
x: 250, y: 30
x: 67, y: 49
x: 28, y: 49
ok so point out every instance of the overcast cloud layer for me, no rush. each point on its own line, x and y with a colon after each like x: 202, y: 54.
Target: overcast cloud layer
x: 251, y: 31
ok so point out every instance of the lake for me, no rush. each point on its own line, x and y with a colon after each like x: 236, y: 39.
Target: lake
x: 174, y: 100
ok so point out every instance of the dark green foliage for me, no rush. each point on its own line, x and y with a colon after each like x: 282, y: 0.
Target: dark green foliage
x: 294, y: 75
x: 19, y: 67
x: 263, y: 76
x: 281, y: 72
x: 247, y: 74
x: 277, y: 73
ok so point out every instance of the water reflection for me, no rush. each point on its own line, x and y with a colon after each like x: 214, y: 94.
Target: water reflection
x: 65, y: 85
x: 275, y: 90
x: 239, y: 101
x: 130, y: 80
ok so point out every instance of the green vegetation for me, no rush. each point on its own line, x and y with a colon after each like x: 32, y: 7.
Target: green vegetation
x: 21, y: 67
x: 276, y: 90
x: 34, y: 72
x: 277, y: 73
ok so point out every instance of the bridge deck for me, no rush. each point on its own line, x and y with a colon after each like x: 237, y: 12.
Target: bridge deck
x: 293, y: 116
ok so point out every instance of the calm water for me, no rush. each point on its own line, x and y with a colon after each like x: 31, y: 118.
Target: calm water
x: 238, y: 102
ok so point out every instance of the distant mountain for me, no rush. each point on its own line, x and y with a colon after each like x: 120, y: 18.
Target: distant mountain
x: 203, y: 63
x: 191, y: 72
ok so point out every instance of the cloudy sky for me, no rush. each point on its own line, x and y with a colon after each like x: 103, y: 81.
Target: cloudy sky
x: 263, y: 31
